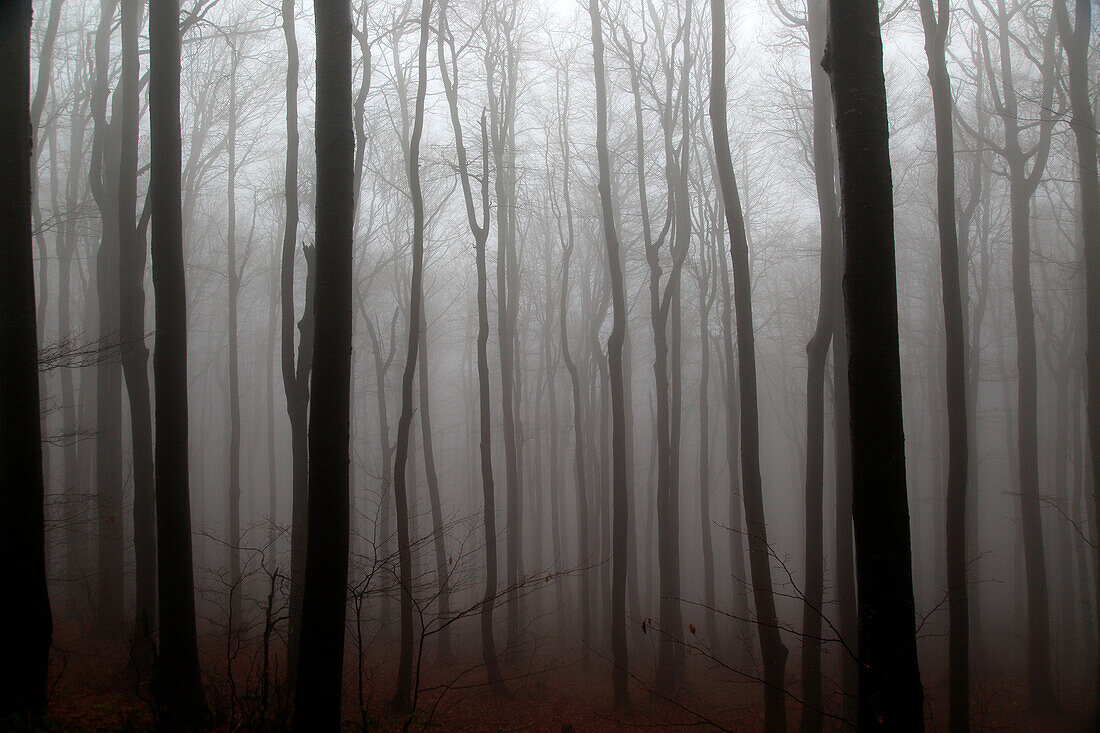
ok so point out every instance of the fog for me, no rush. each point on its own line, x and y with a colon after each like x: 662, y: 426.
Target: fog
x: 590, y: 593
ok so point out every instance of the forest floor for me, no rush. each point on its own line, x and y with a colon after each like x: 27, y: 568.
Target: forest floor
x: 93, y: 689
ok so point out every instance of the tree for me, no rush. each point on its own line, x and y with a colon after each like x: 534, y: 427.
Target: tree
x: 295, y: 377
x: 26, y: 612
x: 772, y: 650
x: 890, y: 694
x: 1075, y: 39
x: 480, y: 232
x: 402, y: 698
x: 178, y: 685
x: 1022, y: 186
x: 318, y: 686
x: 619, y: 653
x: 936, y: 23
x: 103, y: 175
x: 134, y: 353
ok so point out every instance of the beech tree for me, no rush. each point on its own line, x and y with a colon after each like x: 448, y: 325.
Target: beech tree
x: 318, y: 687
x: 177, y: 683
x: 890, y: 693
x: 23, y: 679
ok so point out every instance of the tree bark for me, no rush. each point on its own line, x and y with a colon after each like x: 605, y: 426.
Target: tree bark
x: 936, y: 23
x: 178, y: 685
x: 295, y: 378
x: 817, y: 354
x: 135, y: 355
x: 1076, y: 42
x: 26, y: 612
x: 620, y: 509
x: 103, y: 175
x: 772, y: 650
x: 404, y: 695
x: 890, y: 694
x: 318, y: 688
x: 480, y: 233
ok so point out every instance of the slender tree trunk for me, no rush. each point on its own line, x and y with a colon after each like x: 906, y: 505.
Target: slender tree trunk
x: 66, y: 250
x: 295, y: 378
x: 619, y: 659
x: 502, y: 118
x: 480, y: 232
x: 817, y: 354
x: 404, y: 695
x: 1076, y: 42
x: 772, y: 650
x: 438, y: 535
x: 936, y: 23
x: 26, y: 612
x: 178, y: 684
x: 706, y: 300
x: 104, y: 184
x: 135, y: 355
x: 318, y: 685
x: 233, y: 288
x: 890, y: 695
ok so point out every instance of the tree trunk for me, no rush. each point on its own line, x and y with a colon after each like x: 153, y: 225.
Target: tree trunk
x: 405, y: 696
x: 104, y: 184
x: 772, y: 650
x: 25, y: 613
x: 1076, y: 42
x: 178, y: 685
x: 438, y: 531
x: 135, y: 355
x: 318, y: 688
x: 817, y: 354
x: 935, y: 39
x: 890, y: 695
x: 295, y: 378
x: 619, y: 660
x: 233, y: 288
x: 481, y: 234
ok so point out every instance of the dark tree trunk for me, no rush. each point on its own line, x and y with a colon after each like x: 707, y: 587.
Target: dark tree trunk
x: 233, y: 289
x: 26, y: 612
x: 108, y: 477
x: 936, y: 22
x: 318, y: 688
x: 502, y: 134
x: 66, y: 251
x: 584, y: 557
x: 438, y: 535
x: 1076, y: 42
x: 480, y: 232
x: 707, y: 293
x: 817, y: 354
x: 772, y: 650
x: 620, y: 667
x: 405, y: 696
x: 1022, y: 185
x: 178, y: 684
x: 295, y: 378
x: 135, y: 355
x: 890, y: 695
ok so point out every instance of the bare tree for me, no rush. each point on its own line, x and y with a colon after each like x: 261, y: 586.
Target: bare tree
x: 620, y: 669
x: 318, y: 687
x: 177, y: 683
x: 890, y: 694
x: 23, y: 679
x: 402, y: 697
x: 1075, y: 39
x: 936, y: 22
x: 772, y: 650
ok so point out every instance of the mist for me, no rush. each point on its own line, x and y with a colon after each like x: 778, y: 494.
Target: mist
x: 556, y: 366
